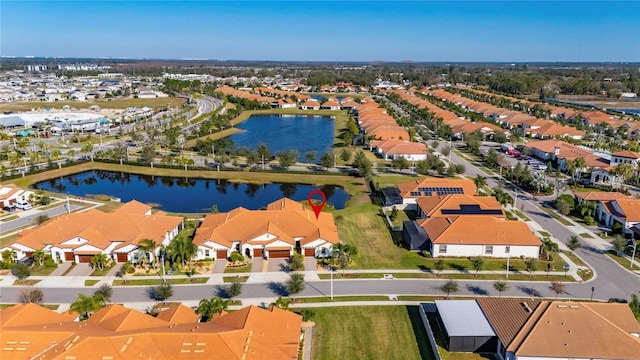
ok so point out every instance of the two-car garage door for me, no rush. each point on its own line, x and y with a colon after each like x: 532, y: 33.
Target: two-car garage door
x: 85, y: 258
x: 279, y: 254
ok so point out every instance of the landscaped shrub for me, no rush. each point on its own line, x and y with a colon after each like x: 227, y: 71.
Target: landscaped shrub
x: 50, y: 263
x: 589, y: 220
x: 236, y: 256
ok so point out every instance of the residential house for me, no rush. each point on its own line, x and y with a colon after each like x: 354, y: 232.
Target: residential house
x: 625, y: 157
x: 310, y: 104
x: 432, y: 186
x: 10, y: 194
x: 458, y: 204
x: 479, y: 235
x: 530, y: 329
x: 284, y: 227
x: 116, y: 332
x: 331, y: 104
x: 623, y: 212
x: 80, y: 236
x: 285, y: 103
x: 561, y: 152
x: 394, y: 149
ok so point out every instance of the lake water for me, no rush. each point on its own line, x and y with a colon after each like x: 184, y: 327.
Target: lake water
x: 287, y: 132
x: 186, y: 195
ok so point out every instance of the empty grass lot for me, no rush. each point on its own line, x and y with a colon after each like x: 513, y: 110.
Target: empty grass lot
x: 369, y: 332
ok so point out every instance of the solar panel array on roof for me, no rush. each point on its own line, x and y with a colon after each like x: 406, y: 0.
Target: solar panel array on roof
x: 428, y: 191
x: 471, y: 209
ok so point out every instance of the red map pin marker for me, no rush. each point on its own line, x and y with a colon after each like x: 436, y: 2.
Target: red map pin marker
x: 317, y: 208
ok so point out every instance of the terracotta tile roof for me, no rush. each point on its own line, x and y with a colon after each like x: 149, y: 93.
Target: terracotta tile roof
x: 566, y: 330
x: 250, y: 333
x: 311, y: 103
x: 285, y: 219
x: 478, y: 230
x: 127, y: 225
x: 399, y: 147
x: 627, y: 154
x: 432, y: 206
x: 600, y: 196
x: 630, y: 209
x: 467, y: 186
x: 178, y: 314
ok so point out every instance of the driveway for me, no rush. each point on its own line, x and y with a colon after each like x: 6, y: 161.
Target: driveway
x: 219, y: 265
x: 256, y: 264
x: 81, y: 269
x: 278, y: 265
x: 309, y: 263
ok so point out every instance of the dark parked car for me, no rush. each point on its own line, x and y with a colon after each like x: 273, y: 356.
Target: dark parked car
x: 9, y: 208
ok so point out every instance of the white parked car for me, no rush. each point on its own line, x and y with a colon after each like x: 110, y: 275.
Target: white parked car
x: 542, y: 167
x: 23, y: 205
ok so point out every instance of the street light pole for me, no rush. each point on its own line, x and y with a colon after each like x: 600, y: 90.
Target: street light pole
x: 635, y: 245
x: 508, y: 257
x: 331, y: 272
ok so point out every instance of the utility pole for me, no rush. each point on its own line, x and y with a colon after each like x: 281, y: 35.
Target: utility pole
x: 331, y: 272
x: 68, y: 206
x: 508, y: 257
x: 635, y: 245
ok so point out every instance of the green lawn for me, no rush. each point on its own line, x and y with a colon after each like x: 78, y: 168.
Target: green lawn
x: 363, y: 227
x: 102, y: 272
x: 586, y: 236
x: 369, y: 332
x: 522, y: 275
x: 48, y: 306
x: 42, y: 270
x: 91, y: 282
x: 25, y: 282
x: 556, y: 216
x: 243, y: 269
x: 137, y: 282
x: 230, y: 279
x: 544, y: 233
x: 326, y: 299
x: 626, y: 263
x: 576, y: 260
x: 521, y: 215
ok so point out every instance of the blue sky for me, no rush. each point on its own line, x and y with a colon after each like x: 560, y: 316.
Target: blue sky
x: 518, y: 31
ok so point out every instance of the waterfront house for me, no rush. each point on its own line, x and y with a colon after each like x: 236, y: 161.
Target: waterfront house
x: 284, y: 227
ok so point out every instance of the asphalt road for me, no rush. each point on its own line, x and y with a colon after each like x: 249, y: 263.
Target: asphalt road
x: 611, y: 281
x: 320, y: 288
x: 31, y: 219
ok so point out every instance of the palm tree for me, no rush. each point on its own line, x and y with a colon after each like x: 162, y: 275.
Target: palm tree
x: 282, y: 303
x: 587, y: 208
x: 84, y: 305
x: 573, y: 243
x: 581, y: 164
x: 549, y: 246
x: 624, y: 171
x: 39, y: 256
x: 149, y: 246
x: 205, y: 309
x: 480, y: 182
x: 99, y: 261
x: 182, y: 250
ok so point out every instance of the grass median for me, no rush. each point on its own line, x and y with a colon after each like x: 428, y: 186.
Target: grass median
x: 139, y: 282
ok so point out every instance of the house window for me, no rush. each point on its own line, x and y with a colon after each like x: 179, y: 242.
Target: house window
x: 488, y: 250
x: 507, y: 249
x: 206, y: 253
x: 442, y: 249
